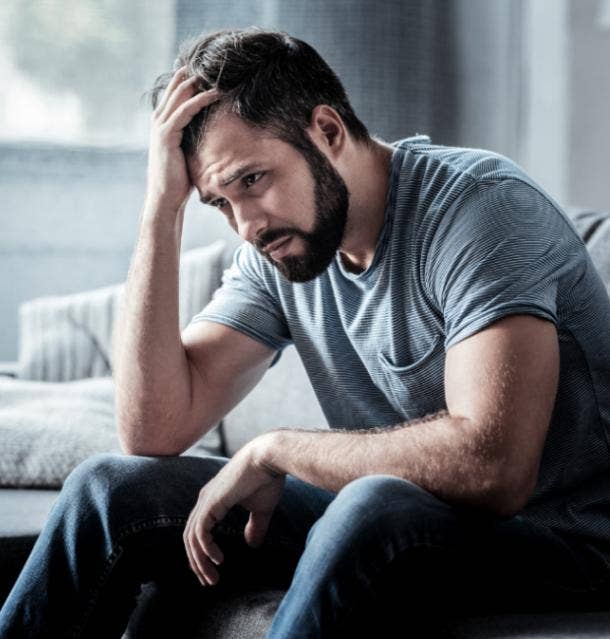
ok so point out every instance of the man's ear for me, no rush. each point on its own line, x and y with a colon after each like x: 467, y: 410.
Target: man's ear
x: 327, y: 130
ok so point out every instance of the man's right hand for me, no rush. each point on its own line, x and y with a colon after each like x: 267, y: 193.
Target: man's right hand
x: 168, y: 183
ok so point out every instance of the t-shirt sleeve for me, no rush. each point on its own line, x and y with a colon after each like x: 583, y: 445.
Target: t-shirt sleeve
x: 244, y: 302
x: 501, y: 249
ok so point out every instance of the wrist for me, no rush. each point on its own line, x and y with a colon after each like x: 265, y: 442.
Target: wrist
x: 264, y: 450
x: 163, y: 224
x: 155, y: 210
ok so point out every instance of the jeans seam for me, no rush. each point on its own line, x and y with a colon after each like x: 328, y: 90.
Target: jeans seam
x: 228, y: 528
x: 271, y: 539
x: 117, y: 551
x: 108, y: 565
x: 115, y: 555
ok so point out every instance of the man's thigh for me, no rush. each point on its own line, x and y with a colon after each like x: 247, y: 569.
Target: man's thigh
x: 150, y: 490
x: 450, y: 561
x: 505, y: 565
x: 274, y: 562
x: 178, y: 597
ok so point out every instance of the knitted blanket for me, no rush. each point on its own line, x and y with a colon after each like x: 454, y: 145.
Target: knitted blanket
x: 60, y: 408
x: 48, y: 428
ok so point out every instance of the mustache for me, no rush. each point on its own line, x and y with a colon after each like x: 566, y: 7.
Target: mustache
x: 271, y: 236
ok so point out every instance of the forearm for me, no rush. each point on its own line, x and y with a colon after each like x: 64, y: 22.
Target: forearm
x: 438, y: 453
x: 152, y: 376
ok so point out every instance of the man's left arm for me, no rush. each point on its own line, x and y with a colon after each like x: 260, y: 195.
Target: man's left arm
x: 483, y: 452
x: 506, y: 249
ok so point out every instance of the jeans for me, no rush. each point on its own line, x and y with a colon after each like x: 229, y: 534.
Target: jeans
x: 381, y: 550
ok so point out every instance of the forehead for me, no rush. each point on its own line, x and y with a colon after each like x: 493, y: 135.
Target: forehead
x: 229, y: 143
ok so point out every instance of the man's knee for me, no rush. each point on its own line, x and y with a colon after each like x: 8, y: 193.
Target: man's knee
x: 376, y: 495
x: 98, y: 473
x: 107, y: 479
x: 380, y: 504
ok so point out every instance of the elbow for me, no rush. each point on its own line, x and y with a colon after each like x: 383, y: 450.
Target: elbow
x: 510, y: 496
x: 133, y: 440
x: 507, y: 507
x: 129, y: 447
x: 139, y: 449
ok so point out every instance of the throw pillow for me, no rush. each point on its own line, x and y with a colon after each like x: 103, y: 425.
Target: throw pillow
x: 69, y: 337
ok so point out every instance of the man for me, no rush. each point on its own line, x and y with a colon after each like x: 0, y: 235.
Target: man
x: 454, y: 330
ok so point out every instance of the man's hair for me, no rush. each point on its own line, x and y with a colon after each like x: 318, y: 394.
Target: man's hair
x: 268, y: 78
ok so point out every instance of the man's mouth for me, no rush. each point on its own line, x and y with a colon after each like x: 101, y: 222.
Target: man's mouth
x: 278, y: 248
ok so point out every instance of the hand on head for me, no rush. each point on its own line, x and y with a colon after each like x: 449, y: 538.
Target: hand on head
x: 168, y: 183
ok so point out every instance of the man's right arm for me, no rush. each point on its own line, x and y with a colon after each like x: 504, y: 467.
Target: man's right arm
x: 170, y: 388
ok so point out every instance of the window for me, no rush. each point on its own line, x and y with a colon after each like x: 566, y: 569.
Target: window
x: 75, y: 71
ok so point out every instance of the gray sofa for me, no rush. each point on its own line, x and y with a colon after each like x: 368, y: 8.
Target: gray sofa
x: 271, y: 404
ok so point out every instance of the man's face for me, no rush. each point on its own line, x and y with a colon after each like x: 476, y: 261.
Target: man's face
x: 292, y: 207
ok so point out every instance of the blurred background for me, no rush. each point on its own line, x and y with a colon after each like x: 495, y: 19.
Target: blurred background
x: 526, y: 78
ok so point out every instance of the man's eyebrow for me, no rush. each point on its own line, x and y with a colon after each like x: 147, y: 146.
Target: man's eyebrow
x: 239, y: 171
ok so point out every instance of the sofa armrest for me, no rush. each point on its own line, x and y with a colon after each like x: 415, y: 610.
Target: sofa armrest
x: 9, y: 369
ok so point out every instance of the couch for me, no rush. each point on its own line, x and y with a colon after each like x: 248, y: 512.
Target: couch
x: 30, y: 481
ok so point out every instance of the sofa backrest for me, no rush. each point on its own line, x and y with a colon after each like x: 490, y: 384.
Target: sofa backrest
x: 594, y: 228
x: 284, y: 397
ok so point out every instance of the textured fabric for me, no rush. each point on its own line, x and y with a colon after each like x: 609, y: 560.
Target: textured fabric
x: 468, y: 238
x: 47, y: 429
x: 115, y: 513
x: 69, y: 337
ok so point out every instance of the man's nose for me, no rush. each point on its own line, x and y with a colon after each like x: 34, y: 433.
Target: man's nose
x: 250, y: 220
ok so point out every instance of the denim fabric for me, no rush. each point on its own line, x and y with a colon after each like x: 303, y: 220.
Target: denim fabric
x: 382, y: 546
x: 118, y: 523
x: 387, y: 554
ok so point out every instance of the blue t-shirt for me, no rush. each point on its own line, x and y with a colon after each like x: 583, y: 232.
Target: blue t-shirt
x: 468, y: 238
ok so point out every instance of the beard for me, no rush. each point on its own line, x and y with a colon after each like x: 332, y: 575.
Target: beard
x: 331, y: 198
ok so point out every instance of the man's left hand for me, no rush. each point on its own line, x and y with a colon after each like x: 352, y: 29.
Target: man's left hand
x: 244, y: 481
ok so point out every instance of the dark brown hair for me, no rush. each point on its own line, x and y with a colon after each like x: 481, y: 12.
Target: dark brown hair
x: 269, y: 79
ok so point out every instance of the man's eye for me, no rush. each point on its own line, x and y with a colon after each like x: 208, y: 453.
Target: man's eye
x: 219, y: 203
x: 249, y: 180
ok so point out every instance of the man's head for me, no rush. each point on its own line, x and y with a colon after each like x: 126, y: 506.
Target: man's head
x: 272, y: 88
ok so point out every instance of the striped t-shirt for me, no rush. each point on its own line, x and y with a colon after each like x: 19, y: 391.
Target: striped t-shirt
x: 468, y: 238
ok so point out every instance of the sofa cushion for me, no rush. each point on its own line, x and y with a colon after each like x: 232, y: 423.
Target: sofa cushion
x: 542, y: 625
x: 22, y: 516
x: 70, y: 337
x: 249, y: 614
x: 242, y: 613
x: 283, y: 397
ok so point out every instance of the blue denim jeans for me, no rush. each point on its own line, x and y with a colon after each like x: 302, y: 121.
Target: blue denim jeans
x: 381, y: 550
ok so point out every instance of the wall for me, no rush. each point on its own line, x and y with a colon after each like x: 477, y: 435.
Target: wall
x: 68, y: 222
x: 589, y: 166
